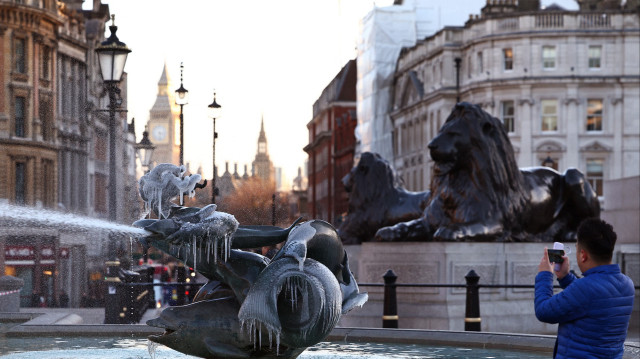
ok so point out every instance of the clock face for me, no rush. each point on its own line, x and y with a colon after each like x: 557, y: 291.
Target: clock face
x: 159, y: 133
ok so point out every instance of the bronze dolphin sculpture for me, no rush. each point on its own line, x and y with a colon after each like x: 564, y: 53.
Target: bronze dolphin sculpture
x: 253, y: 306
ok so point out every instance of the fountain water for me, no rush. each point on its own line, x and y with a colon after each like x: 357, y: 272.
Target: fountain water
x: 29, y: 217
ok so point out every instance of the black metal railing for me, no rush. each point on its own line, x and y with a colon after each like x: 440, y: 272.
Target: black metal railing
x: 128, y: 295
x: 472, y: 320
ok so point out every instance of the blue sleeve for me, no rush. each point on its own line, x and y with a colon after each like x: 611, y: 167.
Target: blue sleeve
x: 563, y: 307
x: 567, y: 280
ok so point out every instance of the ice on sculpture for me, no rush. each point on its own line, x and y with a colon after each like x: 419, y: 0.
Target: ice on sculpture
x: 165, y: 182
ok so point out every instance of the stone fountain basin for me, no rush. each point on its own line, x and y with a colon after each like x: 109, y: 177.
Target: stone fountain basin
x: 513, y: 342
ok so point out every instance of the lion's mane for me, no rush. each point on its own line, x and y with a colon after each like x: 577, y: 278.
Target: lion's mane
x: 480, y: 181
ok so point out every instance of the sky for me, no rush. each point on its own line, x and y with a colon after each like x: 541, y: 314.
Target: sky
x: 269, y: 59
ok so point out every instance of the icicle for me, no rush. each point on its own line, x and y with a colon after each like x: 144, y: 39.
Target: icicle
x: 226, y: 248
x: 181, y: 194
x: 151, y: 347
x: 259, y: 335
x: 277, y: 343
x: 228, y: 239
x: 215, y: 251
x: 270, y: 338
x: 194, y: 253
x: 254, y: 332
x: 295, y: 296
x: 159, y: 191
x: 208, y: 248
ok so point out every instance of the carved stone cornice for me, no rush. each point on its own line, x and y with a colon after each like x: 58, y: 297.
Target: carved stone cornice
x: 487, y: 104
x: 616, y: 100
x: 549, y: 146
x: 595, y: 146
x: 568, y: 101
x: 528, y: 101
x: 38, y: 38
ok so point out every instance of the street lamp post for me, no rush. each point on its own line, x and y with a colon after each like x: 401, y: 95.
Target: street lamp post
x: 112, y: 56
x: 182, y: 98
x: 145, y: 149
x: 214, y: 112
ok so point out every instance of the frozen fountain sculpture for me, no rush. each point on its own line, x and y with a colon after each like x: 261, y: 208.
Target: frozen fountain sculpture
x: 252, y: 307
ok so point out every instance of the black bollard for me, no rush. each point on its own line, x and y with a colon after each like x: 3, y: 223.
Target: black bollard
x: 181, y: 277
x: 472, y: 320
x: 111, y: 298
x: 390, y: 310
x: 149, y: 279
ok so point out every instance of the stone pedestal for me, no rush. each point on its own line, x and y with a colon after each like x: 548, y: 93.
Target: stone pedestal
x: 10, y: 293
x: 501, y: 310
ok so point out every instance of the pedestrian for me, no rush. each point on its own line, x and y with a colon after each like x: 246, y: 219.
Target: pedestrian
x: 593, y: 312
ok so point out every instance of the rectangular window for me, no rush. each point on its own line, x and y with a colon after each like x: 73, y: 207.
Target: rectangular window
x: 595, y: 54
x: 508, y: 113
x: 508, y: 59
x: 595, y: 174
x: 48, y: 183
x: 46, y: 62
x: 19, y: 117
x: 46, y: 120
x: 100, y: 148
x: 21, y: 183
x: 480, y: 63
x: 594, y: 115
x: 20, y: 55
x: 549, y: 115
x: 100, y: 193
x: 548, y: 57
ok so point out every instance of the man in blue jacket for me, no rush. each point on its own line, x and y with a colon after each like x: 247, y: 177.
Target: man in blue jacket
x: 593, y: 312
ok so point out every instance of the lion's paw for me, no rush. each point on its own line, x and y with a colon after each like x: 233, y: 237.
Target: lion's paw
x: 387, y: 234
x: 448, y: 234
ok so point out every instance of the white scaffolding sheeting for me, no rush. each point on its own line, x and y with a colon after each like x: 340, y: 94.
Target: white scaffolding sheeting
x: 383, y: 33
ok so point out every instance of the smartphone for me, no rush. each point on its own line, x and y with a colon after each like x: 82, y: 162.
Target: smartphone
x: 555, y: 255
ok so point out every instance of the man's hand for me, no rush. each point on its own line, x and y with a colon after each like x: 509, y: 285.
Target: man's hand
x: 545, y: 265
x: 564, y: 268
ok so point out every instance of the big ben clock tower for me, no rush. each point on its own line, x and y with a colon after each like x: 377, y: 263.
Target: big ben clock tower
x: 164, y: 123
x: 262, y: 165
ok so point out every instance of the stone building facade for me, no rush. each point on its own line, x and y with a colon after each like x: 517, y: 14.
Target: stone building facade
x: 566, y: 84
x: 331, y: 146
x: 54, y: 146
x: 29, y: 152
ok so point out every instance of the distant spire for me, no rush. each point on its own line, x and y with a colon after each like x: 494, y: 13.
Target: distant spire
x: 246, y: 174
x: 263, y: 136
x: 236, y: 175
x: 164, y: 78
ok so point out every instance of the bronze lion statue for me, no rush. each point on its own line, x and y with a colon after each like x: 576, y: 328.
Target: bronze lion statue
x: 375, y: 201
x: 478, y: 193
